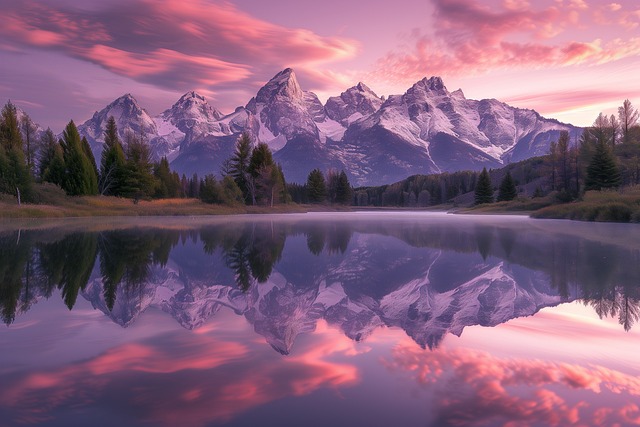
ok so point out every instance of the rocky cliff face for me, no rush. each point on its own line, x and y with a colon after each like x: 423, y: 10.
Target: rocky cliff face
x: 425, y: 130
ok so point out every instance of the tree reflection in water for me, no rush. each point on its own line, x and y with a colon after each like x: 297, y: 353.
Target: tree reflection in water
x: 433, y: 259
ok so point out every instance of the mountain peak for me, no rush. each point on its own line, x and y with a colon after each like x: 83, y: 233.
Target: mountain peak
x: 284, y: 84
x: 191, y: 95
x: 434, y: 83
x: 127, y: 98
x: 363, y: 87
x: 192, y: 106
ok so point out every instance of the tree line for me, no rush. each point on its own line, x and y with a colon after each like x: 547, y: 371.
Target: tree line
x: 126, y: 168
x: 605, y: 156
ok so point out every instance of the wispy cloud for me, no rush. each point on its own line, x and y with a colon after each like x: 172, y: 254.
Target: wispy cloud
x: 188, y: 380
x: 470, y: 38
x: 489, y: 390
x: 174, y: 44
x: 557, y: 101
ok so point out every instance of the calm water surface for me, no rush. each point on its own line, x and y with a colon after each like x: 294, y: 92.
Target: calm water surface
x: 353, y: 319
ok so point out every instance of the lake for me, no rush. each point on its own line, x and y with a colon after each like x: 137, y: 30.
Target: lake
x: 332, y: 319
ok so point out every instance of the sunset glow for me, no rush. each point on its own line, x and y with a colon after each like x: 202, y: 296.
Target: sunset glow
x: 567, y: 59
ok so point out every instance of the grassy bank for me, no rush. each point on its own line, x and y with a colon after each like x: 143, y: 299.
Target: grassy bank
x: 523, y: 206
x: 51, y: 202
x: 601, y: 206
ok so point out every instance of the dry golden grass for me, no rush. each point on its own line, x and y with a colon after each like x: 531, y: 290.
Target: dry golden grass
x: 91, y: 206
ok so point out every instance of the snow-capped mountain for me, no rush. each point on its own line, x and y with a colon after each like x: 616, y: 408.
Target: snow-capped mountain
x: 130, y: 119
x: 353, y: 104
x: 425, y: 130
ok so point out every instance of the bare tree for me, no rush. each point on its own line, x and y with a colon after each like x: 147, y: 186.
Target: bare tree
x: 29, y: 129
x: 614, y: 129
x: 628, y: 118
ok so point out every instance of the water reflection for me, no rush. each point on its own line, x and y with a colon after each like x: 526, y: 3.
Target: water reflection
x: 429, y: 277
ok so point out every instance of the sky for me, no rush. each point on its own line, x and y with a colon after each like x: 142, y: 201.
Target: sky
x: 567, y: 59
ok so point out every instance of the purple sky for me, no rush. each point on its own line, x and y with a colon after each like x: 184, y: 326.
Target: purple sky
x: 568, y: 59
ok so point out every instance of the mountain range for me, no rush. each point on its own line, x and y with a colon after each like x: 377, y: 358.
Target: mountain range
x: 375, y: 140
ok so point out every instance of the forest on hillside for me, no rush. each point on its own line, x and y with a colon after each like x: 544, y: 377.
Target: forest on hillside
x: 605, y: 156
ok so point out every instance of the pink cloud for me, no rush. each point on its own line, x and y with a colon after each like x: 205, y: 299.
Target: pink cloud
x: 167, y: 63
x: 555, y: 101
x: 469, y: 38
x: 190, y: 381
x: 489, y: 390
x: 182, y: 44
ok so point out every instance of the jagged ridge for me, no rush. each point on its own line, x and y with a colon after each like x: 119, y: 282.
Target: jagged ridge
x: 425, y: 130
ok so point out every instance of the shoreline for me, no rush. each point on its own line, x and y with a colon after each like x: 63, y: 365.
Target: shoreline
x: 112, y: 207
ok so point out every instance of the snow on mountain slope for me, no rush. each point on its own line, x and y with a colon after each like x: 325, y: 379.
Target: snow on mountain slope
x: 425, y: 130
x: 129, y: 116
x: 193, y: 116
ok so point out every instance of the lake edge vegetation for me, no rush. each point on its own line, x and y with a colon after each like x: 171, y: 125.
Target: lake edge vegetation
x: 595, y: 177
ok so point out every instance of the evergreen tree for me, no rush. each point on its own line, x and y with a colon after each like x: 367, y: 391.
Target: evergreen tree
x: 10, y: 136
x: 602, y: 171
x: 139, y: 181
x: 507, y: 189
x: 86, y: 149
x: 484, y: 191
x: 316, y: 187
x: 168, y: 183
x: 210, y: 191
x: 239, y: 166
x: 52, y: 167
x: 194, y: 186
x: 15, y: 177
x: 260, y: 157
x: 111, y: 133
x: 282, y: 183
x: 113, y: 171
x: 230, y: 191
x: 79, y: 176
x: 343, y: 190
x: 266, y: 176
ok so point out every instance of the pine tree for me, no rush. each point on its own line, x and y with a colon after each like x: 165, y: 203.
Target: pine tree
x: 344, y: 192
x: 93, y: 179
x: 316, y: 187
x: 139, y: 180
x: 111, y: 133
x: 52, y: 167
x: 79, y: 176
x: 602, y: 171
x: 507, y: 189
x: 265, y: 175
x: 168, y: 183
x: 484, y: 191
x: 210, y: 191
x: 282, y: 185
x: 239, y: 166
x: 15, y: 177
x: 230, y: 191
x: 112, y: 162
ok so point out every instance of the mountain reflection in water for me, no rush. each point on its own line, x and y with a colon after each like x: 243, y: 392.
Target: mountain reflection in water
x: 358, y: 272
